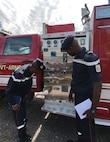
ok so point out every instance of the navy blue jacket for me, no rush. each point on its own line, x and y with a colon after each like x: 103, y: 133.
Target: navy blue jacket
x: 86, y: 71
x: 19, y: 83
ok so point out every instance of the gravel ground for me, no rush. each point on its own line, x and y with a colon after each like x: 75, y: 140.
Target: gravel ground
x: 43, y: 127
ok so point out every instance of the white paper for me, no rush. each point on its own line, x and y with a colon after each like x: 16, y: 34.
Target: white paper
x: 82, y: 107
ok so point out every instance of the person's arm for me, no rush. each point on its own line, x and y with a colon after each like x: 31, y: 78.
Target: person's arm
x: 95, y: 100
x: 95, y: 76
x: 96, y: 95
x: 8, y: 91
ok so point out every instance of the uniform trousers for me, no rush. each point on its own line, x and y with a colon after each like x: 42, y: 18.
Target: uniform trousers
x: 20, y: 119
x: 85, y: 127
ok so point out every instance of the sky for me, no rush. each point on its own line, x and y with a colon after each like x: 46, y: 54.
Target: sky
x: 71, y: 12
x: 66, y: 11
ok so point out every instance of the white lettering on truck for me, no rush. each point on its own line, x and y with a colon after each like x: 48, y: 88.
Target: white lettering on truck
x: 9, y: 67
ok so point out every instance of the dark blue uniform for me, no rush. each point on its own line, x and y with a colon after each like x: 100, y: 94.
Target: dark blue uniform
x: 86, y: 70
x: 18, y: 86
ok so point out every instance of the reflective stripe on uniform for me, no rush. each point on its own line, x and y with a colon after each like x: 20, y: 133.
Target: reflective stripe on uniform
x: 20, y: 80
x: 86, y: 63
x: 21, y: 126
x: 79, y: 133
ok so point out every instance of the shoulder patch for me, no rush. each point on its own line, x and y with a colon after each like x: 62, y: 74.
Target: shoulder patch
x: 98, y: 68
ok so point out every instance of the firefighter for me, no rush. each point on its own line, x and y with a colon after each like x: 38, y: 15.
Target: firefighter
x: 18, y: 88
x: 86, y: 83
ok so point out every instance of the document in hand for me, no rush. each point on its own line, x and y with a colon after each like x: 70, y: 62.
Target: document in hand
x: 82, y: 107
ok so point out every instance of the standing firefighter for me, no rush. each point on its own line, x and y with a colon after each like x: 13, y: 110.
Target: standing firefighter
x: 19, y: 85
x: 86, y: 83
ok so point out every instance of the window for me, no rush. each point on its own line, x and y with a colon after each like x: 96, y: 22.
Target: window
x: 18, y: 46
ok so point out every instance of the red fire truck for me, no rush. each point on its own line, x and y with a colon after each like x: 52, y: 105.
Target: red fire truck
x: 22, y: 49
x: 95, y: 37
x: 16, y: 51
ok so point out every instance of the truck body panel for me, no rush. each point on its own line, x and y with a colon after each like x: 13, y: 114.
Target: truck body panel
x: 16, y: 51
x: 99, y: 44
x: 57, y: 77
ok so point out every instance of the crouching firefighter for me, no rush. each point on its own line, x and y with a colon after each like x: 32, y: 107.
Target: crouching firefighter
x: 19, y: 85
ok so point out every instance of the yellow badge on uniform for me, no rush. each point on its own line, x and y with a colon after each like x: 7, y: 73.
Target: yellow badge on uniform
x: 98, y: 68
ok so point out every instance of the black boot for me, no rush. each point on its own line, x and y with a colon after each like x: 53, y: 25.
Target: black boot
x: 23, y: 136
x: 26, y: 138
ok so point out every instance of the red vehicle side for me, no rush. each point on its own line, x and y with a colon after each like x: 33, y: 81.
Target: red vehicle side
x: 15, y: 51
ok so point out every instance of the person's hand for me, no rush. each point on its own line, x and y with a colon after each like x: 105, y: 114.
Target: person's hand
x: 89, y: 114
x: 16, y: 107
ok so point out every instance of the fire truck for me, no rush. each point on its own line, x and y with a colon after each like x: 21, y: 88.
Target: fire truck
x: 16, y: 50
x: 54, y: 83
x: 95, y: 37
